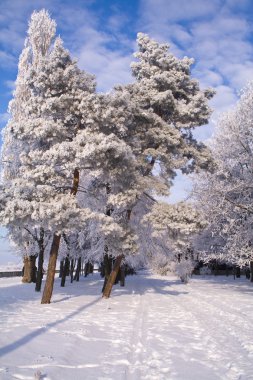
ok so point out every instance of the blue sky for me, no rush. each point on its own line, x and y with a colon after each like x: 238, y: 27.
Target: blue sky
x: 101, y: 35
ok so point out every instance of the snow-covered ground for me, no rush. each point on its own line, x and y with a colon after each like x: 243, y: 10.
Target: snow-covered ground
x: 154, y: 328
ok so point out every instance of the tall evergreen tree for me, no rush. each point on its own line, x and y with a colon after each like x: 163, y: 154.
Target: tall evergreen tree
x: 158, y: 113
x: 62, y: 142
x: 27, y: 238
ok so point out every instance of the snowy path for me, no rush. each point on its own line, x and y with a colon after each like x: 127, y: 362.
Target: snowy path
x: 156, y: 328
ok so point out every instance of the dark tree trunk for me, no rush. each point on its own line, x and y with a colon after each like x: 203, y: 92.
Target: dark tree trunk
x: 40, y: 261
x: 49, y: 285
x: 78, y: 269
x: 88, y: 269
x: 40, y: 270
x: 238, y: 272
x: 65, y: 271
x: 216, y: 270
x: 104, y: 285
x: 91, y: 268
x: 107, y: 260
x: 33, y: 269
x: 72, y: 267
x: 107, y: 269
x: 111, y: 280
x: 61, y: 268
x: 117, y: 279
x: 102, y: 270
x: 122, y: 275
x: 112, y: 277
x: 251, y: 271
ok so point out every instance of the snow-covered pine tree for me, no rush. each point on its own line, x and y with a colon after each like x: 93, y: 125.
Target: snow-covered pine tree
x: 26, y: 237
x: 55, y: 87
x: 62, y: 141
x: 74, y: 143
x: 157, y: 115
x: 120, y: 184
x: 166, y: 106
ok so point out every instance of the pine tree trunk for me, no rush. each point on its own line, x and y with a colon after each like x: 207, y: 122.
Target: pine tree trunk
x: 29, y: 269
x: 49, y: 285
x: 117, y: 279
x: 40, y: 270
x: 111, y: 280
x: 107, y: 261
x: 26, y: 271
x: 251, y: 271
x: 65, y: 271
x: 112, y: 277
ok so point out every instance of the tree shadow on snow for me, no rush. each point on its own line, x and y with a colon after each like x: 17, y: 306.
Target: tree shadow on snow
x: 139, y: 284
x: 34, y: 334
x: 143, y: 284
x: 241, y: 284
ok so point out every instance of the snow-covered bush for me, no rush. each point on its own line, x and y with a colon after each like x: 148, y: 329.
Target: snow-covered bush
x: 184, y: 269
x: 162, y: 264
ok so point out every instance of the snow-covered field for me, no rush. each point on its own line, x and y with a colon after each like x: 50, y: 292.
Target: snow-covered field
x: 10, y: 267
x: 154, y: 328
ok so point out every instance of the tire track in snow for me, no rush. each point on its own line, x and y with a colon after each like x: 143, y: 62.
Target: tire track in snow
x: 223, y: 338
x: 202, y: 345
x: 137, y: 341
x: 238, y: 326
x: 145, y: 361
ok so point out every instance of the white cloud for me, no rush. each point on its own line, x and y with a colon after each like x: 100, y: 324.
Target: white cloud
x: 104, y: 50
x: 224, y: 99
x: 207, y: 77
x: 239, y: 74
x: 6, y: 59
x: 4, y: 117
x: 111, y: 67
x: 105, y: 53
x: 170, y: 10
x: 10, y: 84
x: 215, y: 33
x: 211, y: 37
